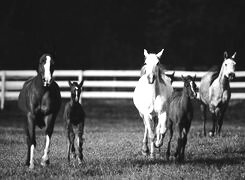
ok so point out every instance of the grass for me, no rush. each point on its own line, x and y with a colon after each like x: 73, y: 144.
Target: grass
x: 113, y: 136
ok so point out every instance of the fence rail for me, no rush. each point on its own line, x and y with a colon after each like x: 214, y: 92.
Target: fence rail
x: 99, y: 83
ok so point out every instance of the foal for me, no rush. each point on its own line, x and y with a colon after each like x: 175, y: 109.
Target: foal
x: 180, y: 113
x: 74, y: 117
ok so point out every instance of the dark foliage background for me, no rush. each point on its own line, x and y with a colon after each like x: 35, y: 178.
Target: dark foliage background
x: 109, y: 34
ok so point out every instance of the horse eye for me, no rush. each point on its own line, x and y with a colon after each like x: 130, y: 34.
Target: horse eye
x: 225, y: 64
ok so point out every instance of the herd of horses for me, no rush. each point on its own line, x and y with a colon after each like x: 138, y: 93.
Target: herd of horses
x: 161, y: 107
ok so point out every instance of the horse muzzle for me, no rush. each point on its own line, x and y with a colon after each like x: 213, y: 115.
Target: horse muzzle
x: 231, y: 76
x: 47, y: 83
x: 151, y: 78
x: 194, y: 95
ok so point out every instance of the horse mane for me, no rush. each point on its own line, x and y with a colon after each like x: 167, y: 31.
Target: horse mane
x: 44, y: 57
x: 215, y: 70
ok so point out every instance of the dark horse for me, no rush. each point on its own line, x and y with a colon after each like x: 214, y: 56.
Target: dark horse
x: 40, y: 99
x: 215, y: 93
x: 179, y: 115
x: 74, y: 117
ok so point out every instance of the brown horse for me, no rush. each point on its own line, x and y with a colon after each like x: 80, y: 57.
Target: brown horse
x: 40, y: 100
x: 180, y: 114
x: 215, y: 93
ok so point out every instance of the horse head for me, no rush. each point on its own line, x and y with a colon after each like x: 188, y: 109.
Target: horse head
x: 229, y: 66
x: 151, y: 67
x: 46, y: 69
x: 75, y: 90
x: 190, y: 85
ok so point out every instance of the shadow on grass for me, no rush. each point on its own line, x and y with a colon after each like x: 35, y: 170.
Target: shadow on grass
x: 238, y: 157
x: 218, y: 161
x: 8, y: 142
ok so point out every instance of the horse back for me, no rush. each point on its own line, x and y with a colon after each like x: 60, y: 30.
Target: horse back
x: 205, y: 83
x: 179, y: 108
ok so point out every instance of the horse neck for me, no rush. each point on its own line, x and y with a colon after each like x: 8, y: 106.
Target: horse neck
x: 73, y: 103
x: 184, y: 97
x: 223, y: 80
x: 156, y: 87
x: 39, y: 81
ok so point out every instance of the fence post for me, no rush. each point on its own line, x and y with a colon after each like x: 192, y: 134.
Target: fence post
x: 2, y: 89
x: 80, y: 78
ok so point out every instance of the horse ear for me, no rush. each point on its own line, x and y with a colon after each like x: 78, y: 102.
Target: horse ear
x: 69, y: 82
x: 195, y: 77
x: 225, y: 55
x: 160, y: 54
x: 233, y: 56
x: 81, y: 83
x: 145, y: 53
x: 182, y: 77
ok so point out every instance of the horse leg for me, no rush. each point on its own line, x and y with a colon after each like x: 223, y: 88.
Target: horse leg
x: 145, y: 149
x: 68, y: 129
x: 211, y: 133
x: 68, y: 149
x: 31, y: 140
x: 72, y: 144
x: 150, y: 127
x: 49, y: 122
x: 170, y: 139
x: 220, y: 120
x: 179, y: 143
x: 204, y: 116
x: 162, y: 120
x: 184, y: 141
x: 80, y: 141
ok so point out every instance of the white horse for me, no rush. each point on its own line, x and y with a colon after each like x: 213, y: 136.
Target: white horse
x: 151, y: 95
x: 215, y: 93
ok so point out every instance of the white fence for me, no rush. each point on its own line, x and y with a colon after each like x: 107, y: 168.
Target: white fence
x: 98, y: 83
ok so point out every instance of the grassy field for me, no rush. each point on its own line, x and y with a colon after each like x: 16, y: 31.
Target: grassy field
x: 113, y: 136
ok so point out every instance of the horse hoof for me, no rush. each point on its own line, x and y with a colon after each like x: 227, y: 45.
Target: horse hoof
x: 145, y: 153
x: 45, y: 163
x: 152, y: 156
x: 145, y: 150
x: 80, y: 161
x: 31, y: 166
x: 74, y: 156
x: 211, y: 134
x: 158, y: 145
x: 27, y: 163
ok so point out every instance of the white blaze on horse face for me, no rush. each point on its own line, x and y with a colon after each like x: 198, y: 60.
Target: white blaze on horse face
x: 47, y: 73
x: 229, y: 68
x: 76, y: 94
